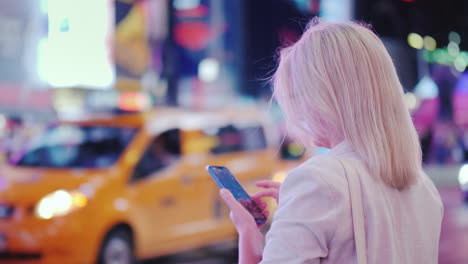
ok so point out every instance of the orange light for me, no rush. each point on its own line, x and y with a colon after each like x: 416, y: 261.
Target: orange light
x: 132, y: 101
x: 79, y: 200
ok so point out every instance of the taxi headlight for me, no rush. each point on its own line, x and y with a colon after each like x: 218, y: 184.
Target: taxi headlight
x: 59, y: 203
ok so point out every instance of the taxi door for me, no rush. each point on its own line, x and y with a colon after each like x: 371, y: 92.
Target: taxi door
x: 199, y: 190
x: 154, y: 190
x: 168, y: 194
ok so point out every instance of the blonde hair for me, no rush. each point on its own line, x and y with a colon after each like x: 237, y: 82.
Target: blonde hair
x: 339, y: 81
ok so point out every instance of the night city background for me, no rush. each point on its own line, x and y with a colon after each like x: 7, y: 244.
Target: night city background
x: 110, y: 110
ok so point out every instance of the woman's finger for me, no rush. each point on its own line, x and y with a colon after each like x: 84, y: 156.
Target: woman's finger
x: 268, y: 184
x: 266, y: 193
x: 260, y: 202
x: 263, y: 205
x: 271, y: 192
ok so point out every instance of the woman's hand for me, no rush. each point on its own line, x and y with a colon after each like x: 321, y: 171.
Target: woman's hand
x: 251, y: 240
x: 270, y: 189
x: 241, y: 218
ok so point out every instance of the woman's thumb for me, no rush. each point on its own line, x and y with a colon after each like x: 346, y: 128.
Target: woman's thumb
x: 227, y: 197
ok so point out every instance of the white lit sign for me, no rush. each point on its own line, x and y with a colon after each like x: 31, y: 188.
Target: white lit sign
x: 336, y: 10
x: 76, y: 51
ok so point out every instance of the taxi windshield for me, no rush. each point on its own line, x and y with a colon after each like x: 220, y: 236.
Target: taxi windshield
x: 73, y: 146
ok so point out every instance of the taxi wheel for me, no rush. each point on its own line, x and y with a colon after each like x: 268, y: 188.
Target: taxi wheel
x: 117, y: 248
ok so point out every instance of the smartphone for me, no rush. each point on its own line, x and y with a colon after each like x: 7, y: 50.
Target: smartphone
x: 225, y: 179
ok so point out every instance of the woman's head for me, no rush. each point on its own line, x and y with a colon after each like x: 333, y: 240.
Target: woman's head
x: 337, y: 82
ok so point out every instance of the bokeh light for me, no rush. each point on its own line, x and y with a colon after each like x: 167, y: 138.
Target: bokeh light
x: 133, y: 101
x: 415, y: 41
x: 208, y: 70
x: 454, y: 37
x: 3, y: 122
x: 295, y: 149
x: 463, y: 174
x: 460, y: 64
x: 411, y: 101
x: 426, y: 88
x: 185, y: 4
x: 453, y: 49
x: 430, y: 43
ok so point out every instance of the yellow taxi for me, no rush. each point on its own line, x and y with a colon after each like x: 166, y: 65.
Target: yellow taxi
x: 131, y: 186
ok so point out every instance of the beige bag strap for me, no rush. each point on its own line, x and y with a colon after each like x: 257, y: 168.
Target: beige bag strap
x: 357, y: 210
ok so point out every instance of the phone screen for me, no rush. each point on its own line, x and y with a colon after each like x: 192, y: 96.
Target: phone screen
x: 225, y: 179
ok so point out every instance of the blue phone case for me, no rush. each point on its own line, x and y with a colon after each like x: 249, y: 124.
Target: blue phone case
x: 225, y: 179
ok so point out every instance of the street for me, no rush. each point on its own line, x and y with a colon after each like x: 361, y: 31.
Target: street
x: 454, y: 236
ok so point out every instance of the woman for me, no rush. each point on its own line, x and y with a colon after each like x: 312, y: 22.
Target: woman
x: 338, y: 89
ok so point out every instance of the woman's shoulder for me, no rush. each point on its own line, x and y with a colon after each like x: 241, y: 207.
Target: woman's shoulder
x: 322, y: 172
x: 321, y: 167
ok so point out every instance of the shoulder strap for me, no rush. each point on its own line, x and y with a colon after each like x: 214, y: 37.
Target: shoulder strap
x: 357, y: 210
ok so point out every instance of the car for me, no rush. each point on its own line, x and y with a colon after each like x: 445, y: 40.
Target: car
x: 114, y: 189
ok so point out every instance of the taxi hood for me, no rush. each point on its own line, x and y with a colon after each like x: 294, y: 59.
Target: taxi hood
x: 26, y: 185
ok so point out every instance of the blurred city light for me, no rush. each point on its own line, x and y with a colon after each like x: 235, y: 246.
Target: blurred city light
x: 430, y: 43
x: 208, y: 70
x: 133, y: 101
x: 335, y: 10
x: 415, y: 41
x: 102, y: 100
x: 3, y: 122
x: 426, y: 88
x: 453, y: 49
x: 295, y: 150
x: 411, y: 101
x: 65, y: 103
x: 186, y: 4
x: 442, y: 56
x: 460, y: 63
x: 280, y: 176
x: 454, y: 37
x: 463, y: 175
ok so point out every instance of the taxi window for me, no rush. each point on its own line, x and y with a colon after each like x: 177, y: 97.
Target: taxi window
x: 163, y: 151
x: 234, y: 139
x: 74, y: 146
